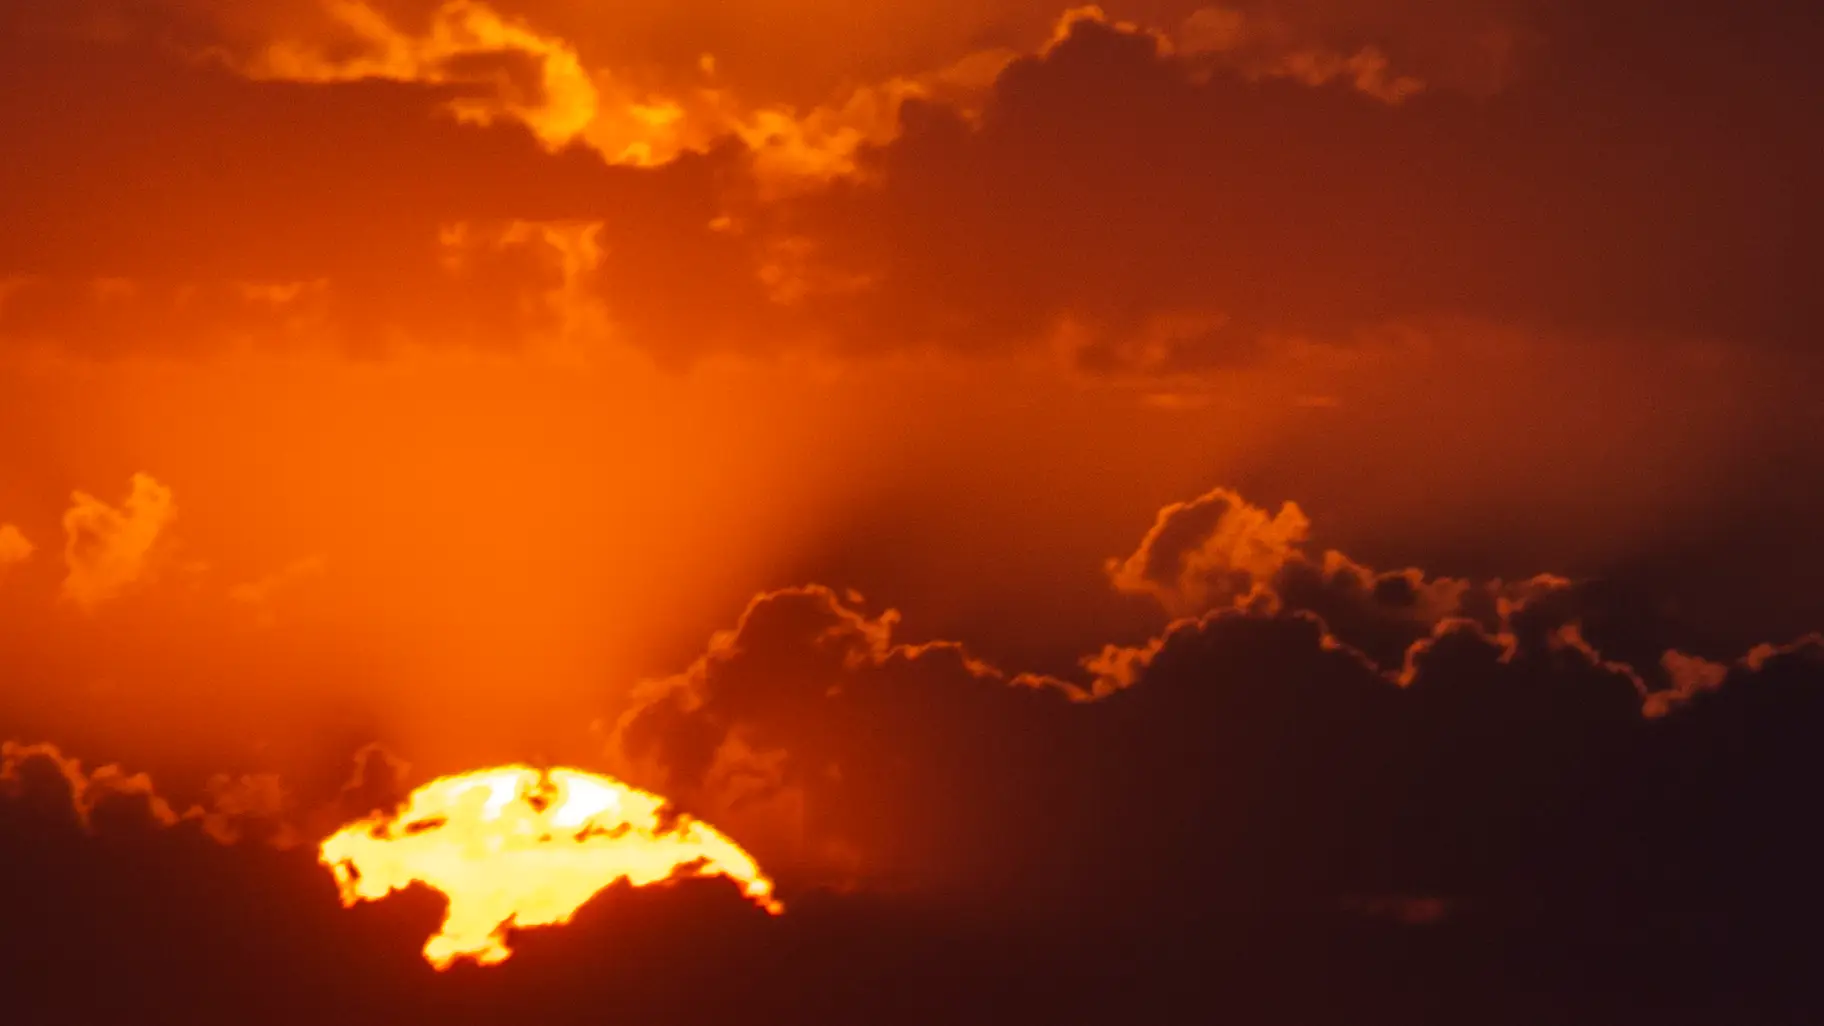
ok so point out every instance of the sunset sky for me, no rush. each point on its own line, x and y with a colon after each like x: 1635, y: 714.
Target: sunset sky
x: 1116, y: 509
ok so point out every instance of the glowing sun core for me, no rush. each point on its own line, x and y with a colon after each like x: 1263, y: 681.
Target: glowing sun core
x: 517, y: 846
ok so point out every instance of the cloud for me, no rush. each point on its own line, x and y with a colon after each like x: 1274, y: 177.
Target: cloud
x: 509, y: 69
x: 1145, y: 215
x: 262, y: 591
x: 1690, y: 678
x: 1288, y: 755
x: 1255, y: 780
x: 1270, y: 758
x: 35, y: 773
x: 256, y: 808
x: 1210, y: 552
x: 1302, y: 731
x: 109, y: 550
x: 1169, y: 200
x: 784, y: 715
x: 1266, y: 47
x: 1219, y: 552
x: 14, y: 547
x: 241, y: 253
x: 537, y: 79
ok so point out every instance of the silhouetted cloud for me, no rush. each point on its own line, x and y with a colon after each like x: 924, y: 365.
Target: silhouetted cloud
x: 1219, y: 551
x: 1492, y: 746
x: 1247, y: 776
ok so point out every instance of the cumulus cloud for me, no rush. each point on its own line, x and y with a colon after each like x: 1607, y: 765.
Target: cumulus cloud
x: 14, y: 547
x: 1376, y: 742
x: 108, y: 550
x: 258, y: 808
x: 509, y: 67
x: 36, y: 773
x: 1250, y: 772
x: 1303, y: 727
x: 1213, y: 551
x: 786, y: 713
x: 535, y: 78
x: 1219, y: 551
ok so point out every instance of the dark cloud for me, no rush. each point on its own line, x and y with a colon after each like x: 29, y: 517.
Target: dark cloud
x: 1246, y: 800
x: 1144, y: 210
x: 169, y: 205
x: 1177, y: 220
x: 1220, y: 552
x: 1490, y: 763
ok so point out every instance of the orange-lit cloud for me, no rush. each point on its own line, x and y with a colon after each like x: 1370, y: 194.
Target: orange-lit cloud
x: 1218, y: 184
x: 777, y: 727
x: 507, y: 68
x: 773, y: 714
x: 258, y: 592
x: 232, y: 809
x: 87, y: 790
x: 536, y: 79
x: 1210, y: 552
x: 108, y: 550
x: 14, y: 547
x: 259, y: 595
x: 1219, y: 551
x: 1276, y: 756
x: 1269, y: 47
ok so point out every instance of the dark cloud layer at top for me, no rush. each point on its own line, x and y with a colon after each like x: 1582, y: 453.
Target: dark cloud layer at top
x: 204, y: 207
x: 1643, y: 176
x: 1630, y: 193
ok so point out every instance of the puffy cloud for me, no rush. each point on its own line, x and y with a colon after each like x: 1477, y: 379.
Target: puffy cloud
x: 14, y: 546
x: 1261, y: 757
x: 108, y: 550
x: 411, y: 228
x: 1253, y: 780
x: 251, y: 807
x: 508, y: 67
x: 258, y: 808
x: 786, y: 714
x: 1212, y: 551
x: 41, y: 776
x: 511, y: 66
x: 1690, y: 677
x: 1314, y: 731
x: 537, y: 79
x: 1220, y: 551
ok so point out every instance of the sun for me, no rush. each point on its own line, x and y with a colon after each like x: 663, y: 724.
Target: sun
x: 519, y: 846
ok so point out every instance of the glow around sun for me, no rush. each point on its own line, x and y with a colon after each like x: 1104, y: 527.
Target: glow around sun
x: 518, y: 846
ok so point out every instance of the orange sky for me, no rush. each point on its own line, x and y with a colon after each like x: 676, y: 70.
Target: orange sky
x: 489, y: 356
x: 1306, y: 509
